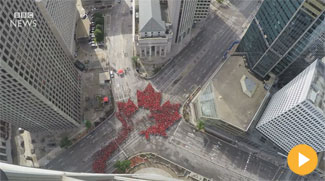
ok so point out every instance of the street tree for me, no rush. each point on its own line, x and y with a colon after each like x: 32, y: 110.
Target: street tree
x: 122, y: 166
x: 99, y: 20
x: 98, y: 15
x: 99, y: 27
x: 200, y: 125
x: 65, y: 142
x: 88, y: 124
x: 135, y: 59
x: 99, y: 35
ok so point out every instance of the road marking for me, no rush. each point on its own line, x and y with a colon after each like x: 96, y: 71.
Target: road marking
x: 248, y: 159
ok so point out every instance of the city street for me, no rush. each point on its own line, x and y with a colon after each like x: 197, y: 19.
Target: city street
x: 196, y: 151
x: 120, y: 48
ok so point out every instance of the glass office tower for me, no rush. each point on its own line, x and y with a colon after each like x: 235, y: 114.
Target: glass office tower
x: 283, y: 32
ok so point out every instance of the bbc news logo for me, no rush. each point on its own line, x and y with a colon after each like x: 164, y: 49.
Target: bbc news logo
x: 23, y: 19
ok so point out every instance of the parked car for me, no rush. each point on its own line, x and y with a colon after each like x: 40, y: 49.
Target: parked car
x: 79, y: 65
x: 101, y: 45
x: 84, y: 16
x: 93, y: 45
x: 112, y: 74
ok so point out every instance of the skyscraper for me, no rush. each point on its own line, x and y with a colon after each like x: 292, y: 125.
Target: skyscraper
x: 40, y: 87
x: 282, y: 33
x: 202, y: 10
x: 184, y: 13
x: 296, y: 113
x: 63, y: 15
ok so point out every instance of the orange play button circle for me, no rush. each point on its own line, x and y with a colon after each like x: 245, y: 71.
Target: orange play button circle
x: 302, y: 159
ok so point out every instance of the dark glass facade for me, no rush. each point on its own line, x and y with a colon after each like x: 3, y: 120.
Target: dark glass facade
x: 283, y: 32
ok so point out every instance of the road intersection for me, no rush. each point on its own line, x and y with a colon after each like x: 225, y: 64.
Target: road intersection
x: 196, y: 151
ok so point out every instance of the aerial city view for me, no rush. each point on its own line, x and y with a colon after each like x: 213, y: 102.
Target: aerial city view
x: 162, y: 90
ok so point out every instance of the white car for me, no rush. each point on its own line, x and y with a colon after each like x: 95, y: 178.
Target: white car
x: 84, y: 16
x: 112, y: 74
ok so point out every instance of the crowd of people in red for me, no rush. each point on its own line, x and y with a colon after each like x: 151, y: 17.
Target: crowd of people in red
x: 149, y: 98
x: 128, y: 108
x: 125, y: 110
x: 164, y: 116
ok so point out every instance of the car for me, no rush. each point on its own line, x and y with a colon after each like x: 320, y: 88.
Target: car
x: 80, y: 66
x: 93, y: 45
x: 112, y: 74
x: 84, y: 16
x: 118, y: 1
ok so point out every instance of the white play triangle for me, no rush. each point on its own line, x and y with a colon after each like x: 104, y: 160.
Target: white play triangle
x: 302, y: 159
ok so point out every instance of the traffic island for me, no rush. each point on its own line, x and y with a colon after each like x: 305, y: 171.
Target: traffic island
x: 151, y: 163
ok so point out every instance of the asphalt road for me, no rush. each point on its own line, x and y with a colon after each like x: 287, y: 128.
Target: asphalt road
x: 199, y: 152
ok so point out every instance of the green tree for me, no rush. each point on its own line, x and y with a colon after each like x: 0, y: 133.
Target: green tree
x: 99, y: 35
x: 135, y: 59
x: 122, y: 166
x: 99, y: 27
x: 98, y: 15
x: 156, y: 70
x: 65, y: 142
x: 220, y: 1
x: 99, y: 20
x: 88, y: 124
x: 200, y: 125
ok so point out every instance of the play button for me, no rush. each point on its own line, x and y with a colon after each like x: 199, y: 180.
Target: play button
x: 302, y: 159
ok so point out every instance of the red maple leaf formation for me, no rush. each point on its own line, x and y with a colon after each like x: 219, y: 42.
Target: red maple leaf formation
x: 149, y: 98
x: 164, y: 116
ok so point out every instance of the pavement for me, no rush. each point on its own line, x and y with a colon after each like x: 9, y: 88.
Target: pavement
x: 199, y: 152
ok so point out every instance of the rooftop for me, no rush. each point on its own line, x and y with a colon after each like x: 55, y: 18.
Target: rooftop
x: 150, y: 16
x: 224, y: 98
x: 104, y: 77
